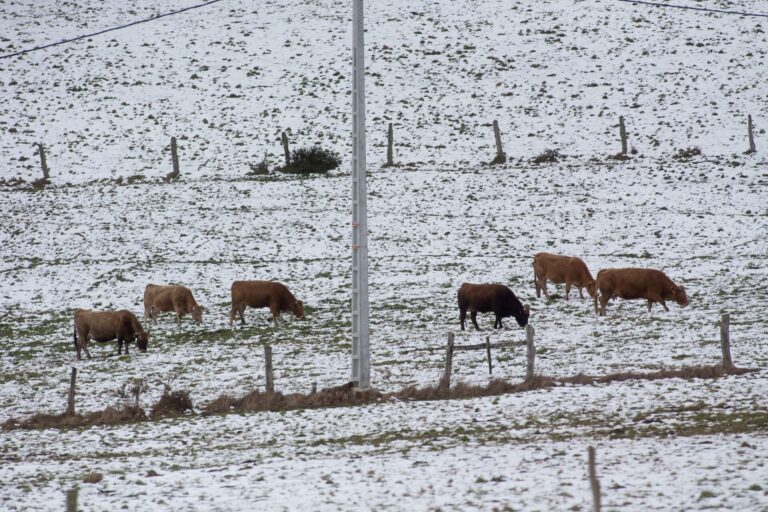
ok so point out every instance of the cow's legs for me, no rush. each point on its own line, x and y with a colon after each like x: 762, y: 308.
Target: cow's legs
x: 603, y: 301
x: 473, y: 316
x: 497, y: 323
x: 274, y: 310
x: 650, y: 305
x: 536, y: 284
x: 581, y: 293
x: 82, y: 343
x: 543, y: 284
x: 663, y: 304
x: 567, y: 289
x: 462, y: 316
x: 241, y: 311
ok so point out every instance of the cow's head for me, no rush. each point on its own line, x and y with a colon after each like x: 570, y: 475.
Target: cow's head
x: 591, y: 288
x: 142, y: 339
x: 197, y: 313
x: 522, y: 318
x: 680, y: 297
x: 298, y: 309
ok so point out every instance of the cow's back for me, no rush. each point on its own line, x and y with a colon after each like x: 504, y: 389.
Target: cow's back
x: 258, y: 294
x: 627, y: 283
x: 551, y: 266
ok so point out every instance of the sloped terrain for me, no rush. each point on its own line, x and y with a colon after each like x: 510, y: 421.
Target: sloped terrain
x: 226, y: 80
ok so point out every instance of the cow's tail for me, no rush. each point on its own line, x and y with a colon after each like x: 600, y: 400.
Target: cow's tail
x: 74, y: 333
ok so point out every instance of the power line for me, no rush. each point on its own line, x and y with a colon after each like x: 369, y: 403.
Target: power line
x: 108, y: 30
x: 705, y: 9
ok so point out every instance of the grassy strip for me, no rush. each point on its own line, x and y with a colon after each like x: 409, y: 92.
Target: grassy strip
x: 176, y: 403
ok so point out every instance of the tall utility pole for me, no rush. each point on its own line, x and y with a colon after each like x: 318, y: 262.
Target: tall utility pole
x: 361, y: 364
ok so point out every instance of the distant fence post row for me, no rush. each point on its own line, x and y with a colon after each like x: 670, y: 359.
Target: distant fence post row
x: 500, y: 158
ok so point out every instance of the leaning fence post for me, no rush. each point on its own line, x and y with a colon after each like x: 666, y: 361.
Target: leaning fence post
x: 174, y: 157
x: 268, y: 369
x: 71, y: 396
x: 43, y: 163
x: 445, y: 381
x: 751, y: 136
x: 284, y: 138
x: 390, y: 142
x: 623, y: 135
x: 501, y: 157
x: 725, y: 340
x: 593, y: 481
x: 531, y: 351
x: 488, y: 349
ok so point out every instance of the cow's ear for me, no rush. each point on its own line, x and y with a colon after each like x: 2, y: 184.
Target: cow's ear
x: 527, y: 308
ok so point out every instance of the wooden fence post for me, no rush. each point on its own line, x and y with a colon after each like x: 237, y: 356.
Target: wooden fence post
x: 445, y: 381
x: 314, y: 388
x: 593, y: 481
x: 71, y: 396
x: 268, y: 368
x: 175, y: 157
x: 725, y: 340
x: 501, y: 157
x: 284, y: 137
x: 531, y: 351
x: 488, y: 349
x: 751, y: 136
x: 43, y: 163
x: 623, y: 134
x: 72, y: 499
x: 390, y: 142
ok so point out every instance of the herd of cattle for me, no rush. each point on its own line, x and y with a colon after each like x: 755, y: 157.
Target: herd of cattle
x: 625, y: 283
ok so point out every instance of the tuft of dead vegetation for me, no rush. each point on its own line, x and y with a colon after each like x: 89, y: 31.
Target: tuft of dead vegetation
x: 548, y: 157
x: 687, y: 153
x: 171, y: 403
x: 93, y: 478
x: 688, y: 372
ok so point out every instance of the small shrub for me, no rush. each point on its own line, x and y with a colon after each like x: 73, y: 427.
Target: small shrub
x: 260, y: 168
x: 687, y: 153
x: 314, y: 159
x: 93, y: 478
x: 547, y: 157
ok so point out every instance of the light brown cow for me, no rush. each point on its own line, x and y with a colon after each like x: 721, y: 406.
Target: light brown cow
x: 163, y: 299
x: 637, y: 283
x: 561, y: 269
x: 122, y: 326
x: 261, y: 294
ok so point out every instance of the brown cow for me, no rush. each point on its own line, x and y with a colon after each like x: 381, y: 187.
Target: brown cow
x: 261, y: 294
x: 637, y: 283
x: 490, y: 297
x: 163, y: 299
x: 561, y: 269
x: 107, y: 326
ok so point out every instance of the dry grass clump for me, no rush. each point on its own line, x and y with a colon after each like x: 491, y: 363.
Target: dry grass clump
x: 688, y: 372
x: 172, y: 403
x: 221, y: 404
x: 93, y: 478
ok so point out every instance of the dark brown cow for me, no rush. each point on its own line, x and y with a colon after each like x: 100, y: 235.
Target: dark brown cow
x: 122, y: 326
x: 163, y: 299
x: 637, y: 283
x: 561, y: 269
x: 263, y: 294
x: 490, y: 297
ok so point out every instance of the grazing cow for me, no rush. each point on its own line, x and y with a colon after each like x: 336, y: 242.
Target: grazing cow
x: 490, y: 297
x: 261, y: 294
x: 163, y: 299
x: 561, y: 269
x: 637, y: 283
x: 122, y: 326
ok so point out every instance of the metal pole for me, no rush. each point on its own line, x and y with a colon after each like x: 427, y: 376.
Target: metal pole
x: 361, y: 375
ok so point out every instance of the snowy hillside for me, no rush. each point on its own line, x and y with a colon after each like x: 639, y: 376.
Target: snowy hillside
x: 226, y: 80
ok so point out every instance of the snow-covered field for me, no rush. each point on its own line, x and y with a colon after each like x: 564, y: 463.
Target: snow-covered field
x: 226, y: 80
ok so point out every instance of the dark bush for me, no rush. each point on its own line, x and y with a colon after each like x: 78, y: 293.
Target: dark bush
x: 687, y: 153
x: 548, y: 156
x: 314, y: 159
